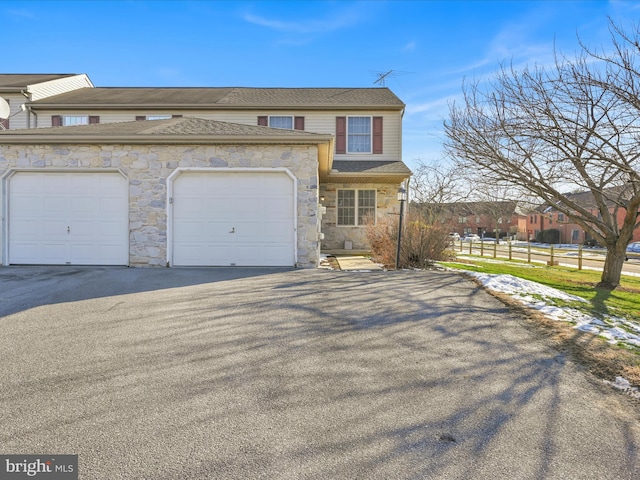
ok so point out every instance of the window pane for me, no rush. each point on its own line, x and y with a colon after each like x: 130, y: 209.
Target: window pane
x: 366, y: 206
x: 158, y: 117
x: 346, y: 207
x: 281, y: 122
x: 359, y: 135
x: 75, y: 120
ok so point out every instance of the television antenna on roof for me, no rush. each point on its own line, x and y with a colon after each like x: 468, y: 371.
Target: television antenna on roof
x: 383, y: 76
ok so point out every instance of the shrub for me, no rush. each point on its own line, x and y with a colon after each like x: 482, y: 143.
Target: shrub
x: 548, y: 236
x: 421, y: 244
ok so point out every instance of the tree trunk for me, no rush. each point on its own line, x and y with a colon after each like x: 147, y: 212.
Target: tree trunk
x: 613, y: 266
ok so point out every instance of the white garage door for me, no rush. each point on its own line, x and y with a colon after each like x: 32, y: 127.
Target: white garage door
x: 68, y: 219
x: 233, y: 218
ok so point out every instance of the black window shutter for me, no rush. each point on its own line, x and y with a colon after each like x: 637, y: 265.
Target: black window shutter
x: 298, y: 123
x: 56, y: 120
x: 264, y: 121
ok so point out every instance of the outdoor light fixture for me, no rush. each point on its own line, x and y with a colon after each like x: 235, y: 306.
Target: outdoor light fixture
x: 402, y: 197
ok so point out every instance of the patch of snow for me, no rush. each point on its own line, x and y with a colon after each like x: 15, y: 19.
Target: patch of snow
x: 623, y: 384
x: 614, y: 329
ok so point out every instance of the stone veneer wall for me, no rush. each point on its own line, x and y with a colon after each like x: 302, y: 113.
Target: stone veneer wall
x: 334, y: 236
x: 147, y: 168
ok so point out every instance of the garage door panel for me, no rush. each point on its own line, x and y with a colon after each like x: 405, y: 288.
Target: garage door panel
x: 54, y: 229
x: 53, y: 253
x: 275, y: 232
x: 240, y: 213
x: 218, y: 231
x: 280, y: 206
x: 85, y: 206
x: 68, y: 218
x: 52, y: 205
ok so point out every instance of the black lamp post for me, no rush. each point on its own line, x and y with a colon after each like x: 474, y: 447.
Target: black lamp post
x: 402, y: 196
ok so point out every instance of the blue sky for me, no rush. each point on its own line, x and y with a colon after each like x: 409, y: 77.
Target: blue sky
x: 430, y: 46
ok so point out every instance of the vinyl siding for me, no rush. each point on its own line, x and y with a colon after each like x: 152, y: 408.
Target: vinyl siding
x: 315, y: 121
x: 58, y: 86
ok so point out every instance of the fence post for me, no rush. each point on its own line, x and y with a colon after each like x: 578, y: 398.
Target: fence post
x: 529, y: 252
x: 495, y: 248
x: 551, y: 262
x: 580, y: 257
x: 470, y: 245
x: 510, y: 256
x: 481, y: 248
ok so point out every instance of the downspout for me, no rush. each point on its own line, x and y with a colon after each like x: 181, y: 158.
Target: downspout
x: 28, y: 109
x: 29, y: 117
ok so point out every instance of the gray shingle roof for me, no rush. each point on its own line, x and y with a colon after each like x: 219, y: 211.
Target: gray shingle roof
x: 115, y: 97
x: 182, y: 126
x: 18, y: 80
x: 371, y: 167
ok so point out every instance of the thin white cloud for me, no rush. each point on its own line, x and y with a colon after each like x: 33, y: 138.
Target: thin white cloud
x: 20, y: 13
x: 331, y: 21
x: 409, y: 47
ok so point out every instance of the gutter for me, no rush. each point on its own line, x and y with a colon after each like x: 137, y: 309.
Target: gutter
x: 37, y: 139
x: 209, y: 106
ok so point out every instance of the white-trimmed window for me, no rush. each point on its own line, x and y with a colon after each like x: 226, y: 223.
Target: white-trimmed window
x: 285, y: 122
x: 356, y: 207
x: 359, y: 135
x: 158, y: 117
x: 71, y: 120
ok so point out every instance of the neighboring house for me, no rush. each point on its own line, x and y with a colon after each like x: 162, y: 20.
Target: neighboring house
x: 20, y: 89
x: 199, y: 176
x: 486, y: 219
x: 547, y: 217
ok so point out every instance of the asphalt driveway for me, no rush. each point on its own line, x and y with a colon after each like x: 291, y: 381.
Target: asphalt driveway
x: 262, y: 373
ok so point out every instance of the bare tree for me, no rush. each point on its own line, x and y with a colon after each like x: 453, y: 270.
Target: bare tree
x: 435, y: 184
x: 572, y: 126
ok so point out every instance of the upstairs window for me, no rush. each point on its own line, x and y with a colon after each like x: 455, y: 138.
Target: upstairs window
x: 358, y: 134
x: 281, y: 122
x: 286, y: 122
x: 156, y: 117
x: 71, y: 120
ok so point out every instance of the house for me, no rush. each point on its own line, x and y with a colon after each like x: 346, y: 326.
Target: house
x: 198, y: 176
x: 19, y: 89
x: 548, y: 217
x: 483, y: 218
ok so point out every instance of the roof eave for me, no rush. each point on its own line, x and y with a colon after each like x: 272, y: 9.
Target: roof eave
x: 35, y: 106
x: 141, y: 139
x: 365, y: 177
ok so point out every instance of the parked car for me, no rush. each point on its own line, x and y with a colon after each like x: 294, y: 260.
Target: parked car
x: 633, y: 251
x: 454, y: 237
x: 471, y: 237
